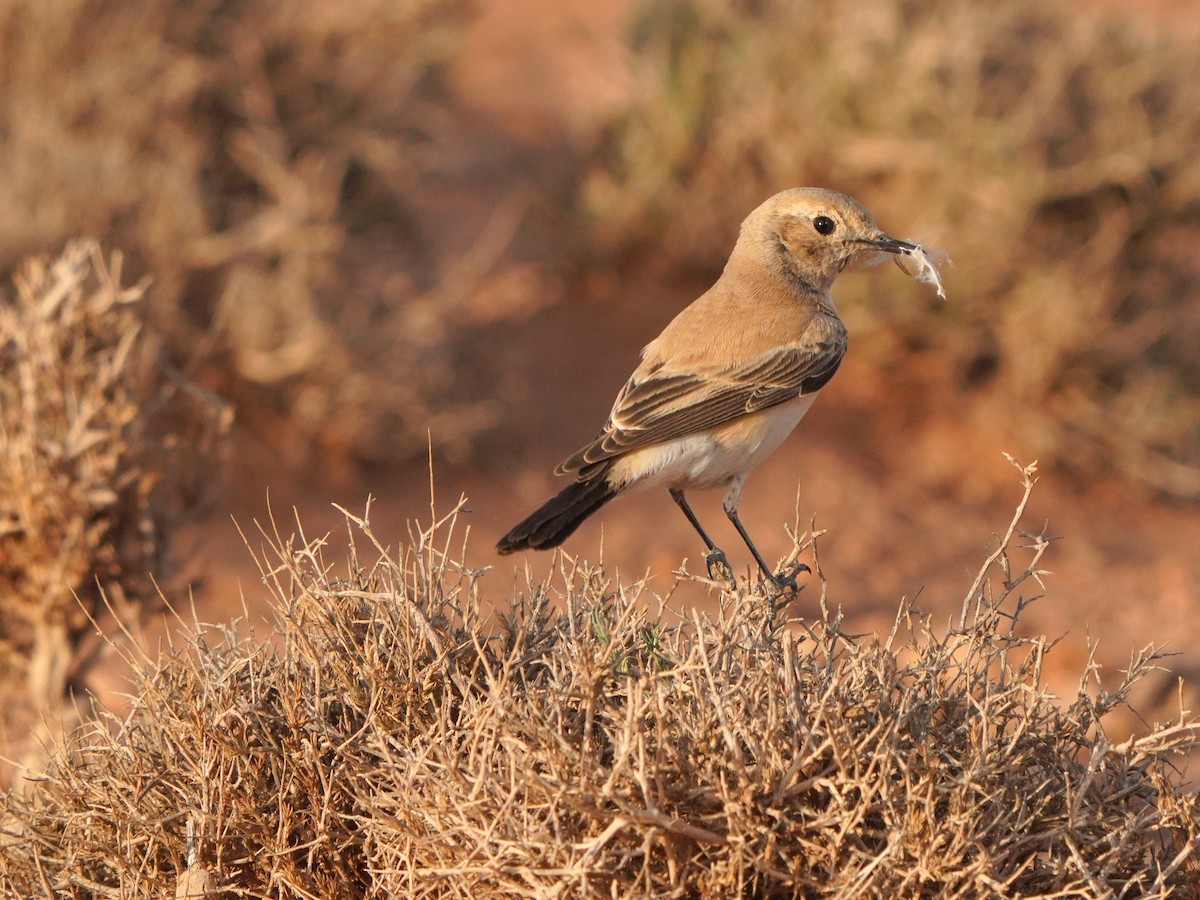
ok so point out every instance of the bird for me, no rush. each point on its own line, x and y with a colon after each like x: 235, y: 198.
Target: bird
x: 731, y: 376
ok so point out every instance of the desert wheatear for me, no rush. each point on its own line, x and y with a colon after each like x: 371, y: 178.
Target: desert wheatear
x: 732, y: 375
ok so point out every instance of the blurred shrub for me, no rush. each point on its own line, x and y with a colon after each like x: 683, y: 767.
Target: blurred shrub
x: 98, y: 448
x: 1049, y: 146
x: 395, y: 741
x: 263, y: 160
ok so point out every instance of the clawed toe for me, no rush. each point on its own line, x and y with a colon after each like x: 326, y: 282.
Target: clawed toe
x: 719, y: 568
x: 787, y: 580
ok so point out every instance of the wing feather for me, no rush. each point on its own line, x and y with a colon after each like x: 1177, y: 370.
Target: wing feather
x: 670, y: 404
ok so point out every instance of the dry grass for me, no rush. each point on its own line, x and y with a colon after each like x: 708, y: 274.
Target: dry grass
x: 270, y: 163
x: 392, y: 741
x: 87, y: 476
x: 1048, y: 144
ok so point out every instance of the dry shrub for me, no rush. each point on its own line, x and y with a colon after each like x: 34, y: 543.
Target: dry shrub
x: 267, y: 162
x: 88, y: 472
x: 390, y: 741
x: 1049, y: 145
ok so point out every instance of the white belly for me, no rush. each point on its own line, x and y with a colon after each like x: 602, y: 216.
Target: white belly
x: 714, y: 458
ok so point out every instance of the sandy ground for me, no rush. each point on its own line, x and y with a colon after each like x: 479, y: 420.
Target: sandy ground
x: 909, y: 486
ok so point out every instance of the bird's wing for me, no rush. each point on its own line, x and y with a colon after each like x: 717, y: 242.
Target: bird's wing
x: 671, y: 404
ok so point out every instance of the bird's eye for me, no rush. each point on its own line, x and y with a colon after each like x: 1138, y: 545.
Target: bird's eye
x: 824, y: 224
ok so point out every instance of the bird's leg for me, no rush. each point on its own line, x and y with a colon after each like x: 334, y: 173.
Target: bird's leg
x: 780, y: 580
x: 716, y: 558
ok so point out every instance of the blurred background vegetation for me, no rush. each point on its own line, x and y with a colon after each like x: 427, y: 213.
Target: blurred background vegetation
x: 265, y: 163
x: 1049, y: 147
x: 284, y: 172
x: 364, y: 236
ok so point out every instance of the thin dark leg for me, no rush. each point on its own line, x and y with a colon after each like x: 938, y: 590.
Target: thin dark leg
x: 677, y: 496
x: 716, y: 556
x: 737, y: 523
x: 780, y: 581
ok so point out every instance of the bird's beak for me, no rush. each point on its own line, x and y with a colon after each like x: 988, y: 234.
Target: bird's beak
x: 888, y: 244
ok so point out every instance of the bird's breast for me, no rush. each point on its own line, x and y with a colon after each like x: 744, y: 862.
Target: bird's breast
x: 710, y: 459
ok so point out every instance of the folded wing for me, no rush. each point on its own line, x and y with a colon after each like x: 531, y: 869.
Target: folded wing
x: 671, y: 404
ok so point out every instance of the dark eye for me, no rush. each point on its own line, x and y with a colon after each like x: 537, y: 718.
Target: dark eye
x: 824, y: 224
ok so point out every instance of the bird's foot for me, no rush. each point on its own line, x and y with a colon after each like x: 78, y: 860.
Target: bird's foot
x: 787, y: 580
x: 719, y: 568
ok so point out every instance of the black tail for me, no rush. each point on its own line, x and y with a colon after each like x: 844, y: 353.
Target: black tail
x: 555, y: 520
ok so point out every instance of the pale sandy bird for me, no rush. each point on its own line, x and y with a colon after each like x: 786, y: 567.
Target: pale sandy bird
x: 731, y: 376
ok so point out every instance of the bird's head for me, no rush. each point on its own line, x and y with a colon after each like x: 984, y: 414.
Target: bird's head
x: 812, y: 234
